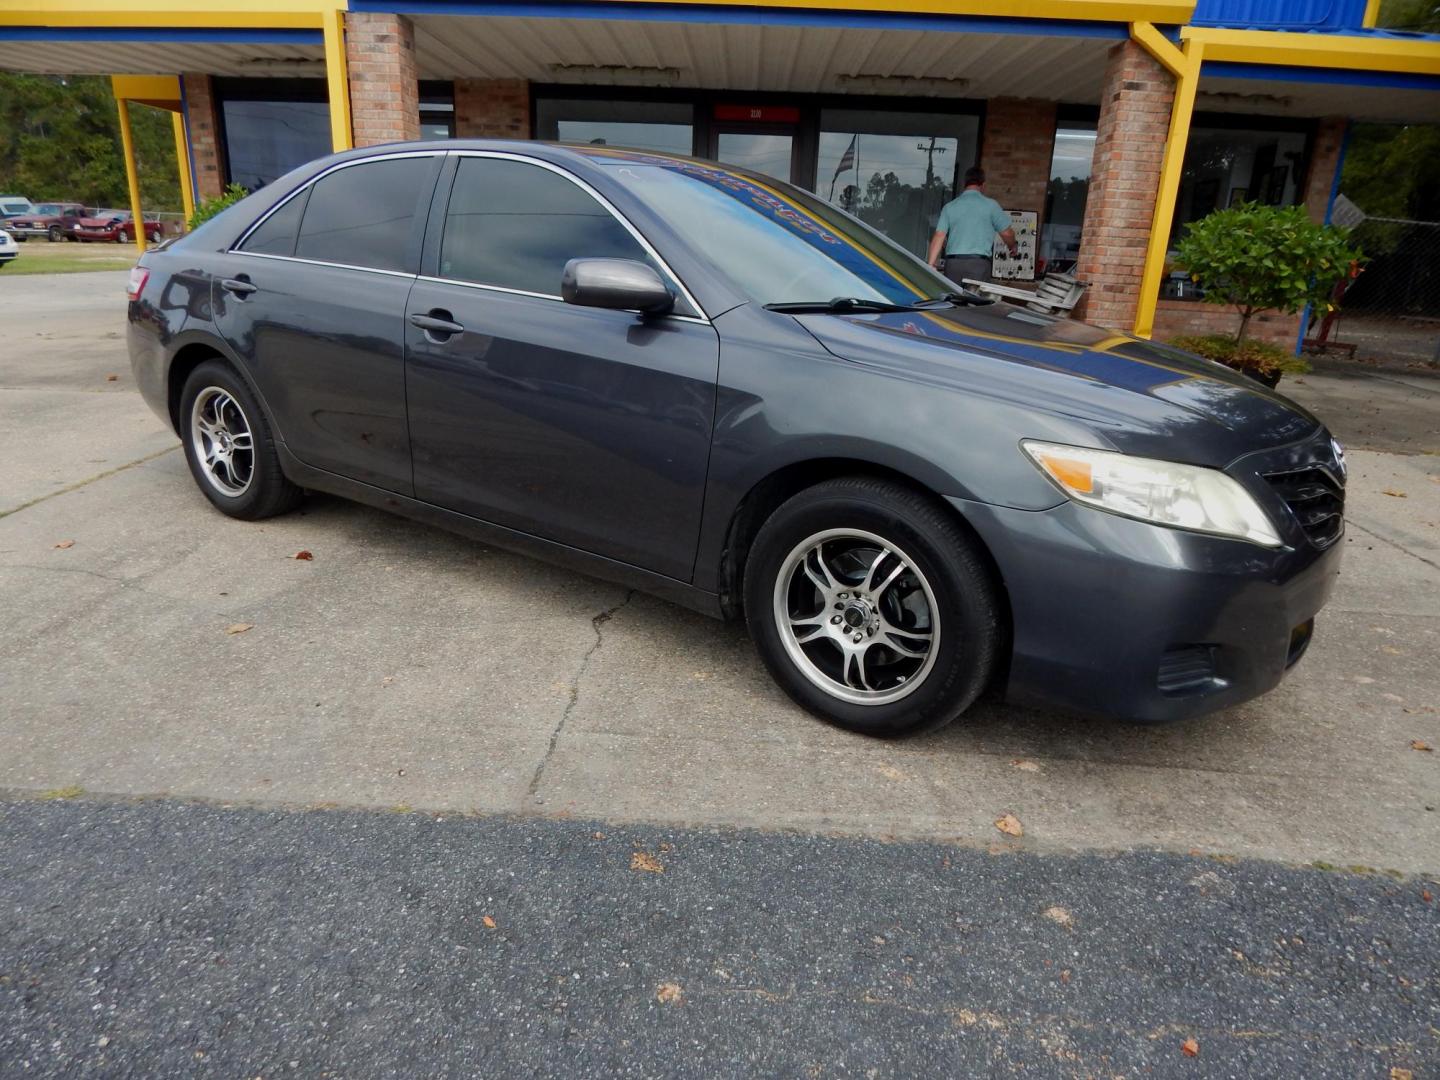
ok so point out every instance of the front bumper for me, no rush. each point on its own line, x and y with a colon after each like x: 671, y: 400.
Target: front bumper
x: 1121, y: 618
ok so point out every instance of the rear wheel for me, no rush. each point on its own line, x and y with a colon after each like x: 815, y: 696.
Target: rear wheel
x: 872, y: 607
x: 229, y: 446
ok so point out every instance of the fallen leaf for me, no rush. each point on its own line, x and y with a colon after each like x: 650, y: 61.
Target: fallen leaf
x: 1025, y: 766
x: 669, y: 994
x: 890, y: 772
x: 1395, y: 494
x: 489, y: 922
x: 643, y: 860
x: 303, y: 556
x: 239, y: 627
x: 599, y: 836
x: 1397, y: 1073
x: 1190, y: 1048
x: 387, y: 680
x: 65, y: 544
x: 1010, y: 825
x: 1426, y: 895
x: 112, y: 378
x: 1059, y: 915
x: 1416, y: 744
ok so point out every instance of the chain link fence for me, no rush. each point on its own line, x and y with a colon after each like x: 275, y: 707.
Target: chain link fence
x: 1391, y: 311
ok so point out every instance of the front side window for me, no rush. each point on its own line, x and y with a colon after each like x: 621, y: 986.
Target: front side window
x: 364, y: 215
x: 777, y: 243
x: 515, y: 225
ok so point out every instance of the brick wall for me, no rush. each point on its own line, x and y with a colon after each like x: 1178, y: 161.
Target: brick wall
x: 1175, y: 317
x: 1324, y: 160
x: 384, y: 93
x: 204, y: 136
x: 1129, y: 144
x: 1018, y: 143
x: 492, y: 109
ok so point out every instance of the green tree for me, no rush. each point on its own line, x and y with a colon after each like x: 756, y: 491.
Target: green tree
x: 1264, y: 258
x: 60, y: 139
x: 1410, y: 15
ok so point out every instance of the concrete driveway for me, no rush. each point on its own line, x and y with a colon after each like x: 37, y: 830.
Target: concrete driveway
x: 406, y: 667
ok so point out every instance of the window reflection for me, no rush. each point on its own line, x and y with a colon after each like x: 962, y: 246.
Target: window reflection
x: 1065, y: 198
x: 1225, y: 166
x: 894, y: 170
x: 266, y: 139
x: 770, y: 154
x: 663, y: 126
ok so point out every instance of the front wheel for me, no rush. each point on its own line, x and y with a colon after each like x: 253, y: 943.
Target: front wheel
x: 54, y: 234
x: 872, y: 607
x: 229, y: 446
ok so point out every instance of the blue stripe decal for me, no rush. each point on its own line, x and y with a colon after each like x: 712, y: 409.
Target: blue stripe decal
x: 164, y: 34
x: 1388, y: 80
x: 748, y: 16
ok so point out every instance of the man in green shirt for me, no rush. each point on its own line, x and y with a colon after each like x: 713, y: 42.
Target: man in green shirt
x: 966, y: 232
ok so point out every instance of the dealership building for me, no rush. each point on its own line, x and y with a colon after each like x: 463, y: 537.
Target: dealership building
x: 1108, y: 123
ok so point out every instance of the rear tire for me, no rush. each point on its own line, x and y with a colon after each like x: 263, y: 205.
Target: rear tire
x: 872, y: 607
x: 230, y: 447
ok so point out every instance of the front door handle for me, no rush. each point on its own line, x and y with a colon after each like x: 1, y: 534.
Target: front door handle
x: 437, y: 324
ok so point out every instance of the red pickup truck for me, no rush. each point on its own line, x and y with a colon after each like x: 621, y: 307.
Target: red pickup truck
x: 51, y: 220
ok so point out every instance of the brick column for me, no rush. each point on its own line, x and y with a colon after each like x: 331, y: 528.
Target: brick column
x: 1324, y: 161
x: 1018, y: 144
x: 384, y: 88
x: 492, y: 109
x: 204, y: 136
x: 1129, y: 145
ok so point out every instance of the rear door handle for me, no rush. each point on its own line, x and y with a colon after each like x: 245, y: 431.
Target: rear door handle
x: 436, y: 326
x: 239, y: 287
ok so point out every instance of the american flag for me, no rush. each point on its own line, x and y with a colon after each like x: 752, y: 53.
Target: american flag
x: 847, y: 160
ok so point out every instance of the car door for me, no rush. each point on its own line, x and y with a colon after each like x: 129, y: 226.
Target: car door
x: 586, y: 426
x: 312, y: 300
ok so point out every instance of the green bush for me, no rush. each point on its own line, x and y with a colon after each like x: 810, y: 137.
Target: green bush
x: 205, y: 209
x: 1257, y: 358
x: 1264, y: 258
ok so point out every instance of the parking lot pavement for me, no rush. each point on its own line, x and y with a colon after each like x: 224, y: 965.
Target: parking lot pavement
x: 164, y: 939
x: 404, y: 666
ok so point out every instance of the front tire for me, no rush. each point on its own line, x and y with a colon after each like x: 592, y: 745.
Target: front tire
x: 872, y: 607
x: 230, y: 447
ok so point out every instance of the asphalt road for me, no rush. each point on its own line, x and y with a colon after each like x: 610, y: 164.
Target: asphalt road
x: 165, y: 939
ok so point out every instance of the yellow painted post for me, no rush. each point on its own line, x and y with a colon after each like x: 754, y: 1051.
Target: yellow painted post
x: 1171, y: 165
x: 1372, y: 13
x: 182, y: 162
x: 338, y: 77
x: 132, y: 174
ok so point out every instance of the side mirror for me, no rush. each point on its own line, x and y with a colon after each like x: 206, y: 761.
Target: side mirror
x: 624, y: 284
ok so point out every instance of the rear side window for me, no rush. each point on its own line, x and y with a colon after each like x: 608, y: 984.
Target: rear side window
x: 516, y: 225
x: 364, y: 215
x: 276, y: 234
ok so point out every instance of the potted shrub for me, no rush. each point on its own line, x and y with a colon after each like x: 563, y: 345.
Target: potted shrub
x: 1261, y: 258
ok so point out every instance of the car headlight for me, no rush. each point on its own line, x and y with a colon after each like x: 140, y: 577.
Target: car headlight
x: 1164, y: 492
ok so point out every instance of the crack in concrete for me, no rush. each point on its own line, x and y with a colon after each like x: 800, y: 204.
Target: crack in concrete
x: 82, y: 483
x: 1393, y: 543
x: 596, y: 623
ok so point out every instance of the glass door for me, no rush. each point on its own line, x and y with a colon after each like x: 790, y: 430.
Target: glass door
x: 760, y: 138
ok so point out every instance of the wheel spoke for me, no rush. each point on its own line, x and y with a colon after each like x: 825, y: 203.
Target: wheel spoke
x: 808, y: 629
x: 241, y: 441
x: 855, y: 660
x: 874, y: 571
x: 896, y: 639
x: 878, y: 591
x: 819, y: 574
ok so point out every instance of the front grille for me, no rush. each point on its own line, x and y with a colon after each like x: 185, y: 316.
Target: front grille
x: 1316, y: 499
x: 1186, y: 668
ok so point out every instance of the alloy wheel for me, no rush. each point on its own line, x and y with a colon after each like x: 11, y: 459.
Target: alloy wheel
x: 857, y: 616
x: 223, y: 442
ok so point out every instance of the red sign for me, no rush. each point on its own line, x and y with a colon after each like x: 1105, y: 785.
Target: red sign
x: 759, y: 114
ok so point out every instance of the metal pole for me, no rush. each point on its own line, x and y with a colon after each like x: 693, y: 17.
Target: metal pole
x: 132, y: 175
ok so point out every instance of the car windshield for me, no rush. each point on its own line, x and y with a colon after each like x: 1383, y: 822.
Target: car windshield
x: 778, y: 244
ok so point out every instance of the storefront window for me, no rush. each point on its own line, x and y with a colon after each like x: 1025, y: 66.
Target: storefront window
x: 271, y: 126
x: 1065, y: 198
x: 667, y: 127
x: 437, y: 109
x: 1228, y: 165
x: 894, y: 170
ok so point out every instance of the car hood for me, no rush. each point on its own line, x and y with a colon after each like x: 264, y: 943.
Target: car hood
x: 1140, y: 396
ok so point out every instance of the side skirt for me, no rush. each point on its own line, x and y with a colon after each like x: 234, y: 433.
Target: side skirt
x: 583, y: 562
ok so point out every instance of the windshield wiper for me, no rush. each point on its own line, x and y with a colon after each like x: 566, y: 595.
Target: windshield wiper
x: 963, y: 298
x: 838, y: 306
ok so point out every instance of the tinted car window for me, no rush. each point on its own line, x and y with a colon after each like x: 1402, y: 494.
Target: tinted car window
x: 276, y: 235
x: 776, y: 242
x: 363, y: 215
x: 516, y: 225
